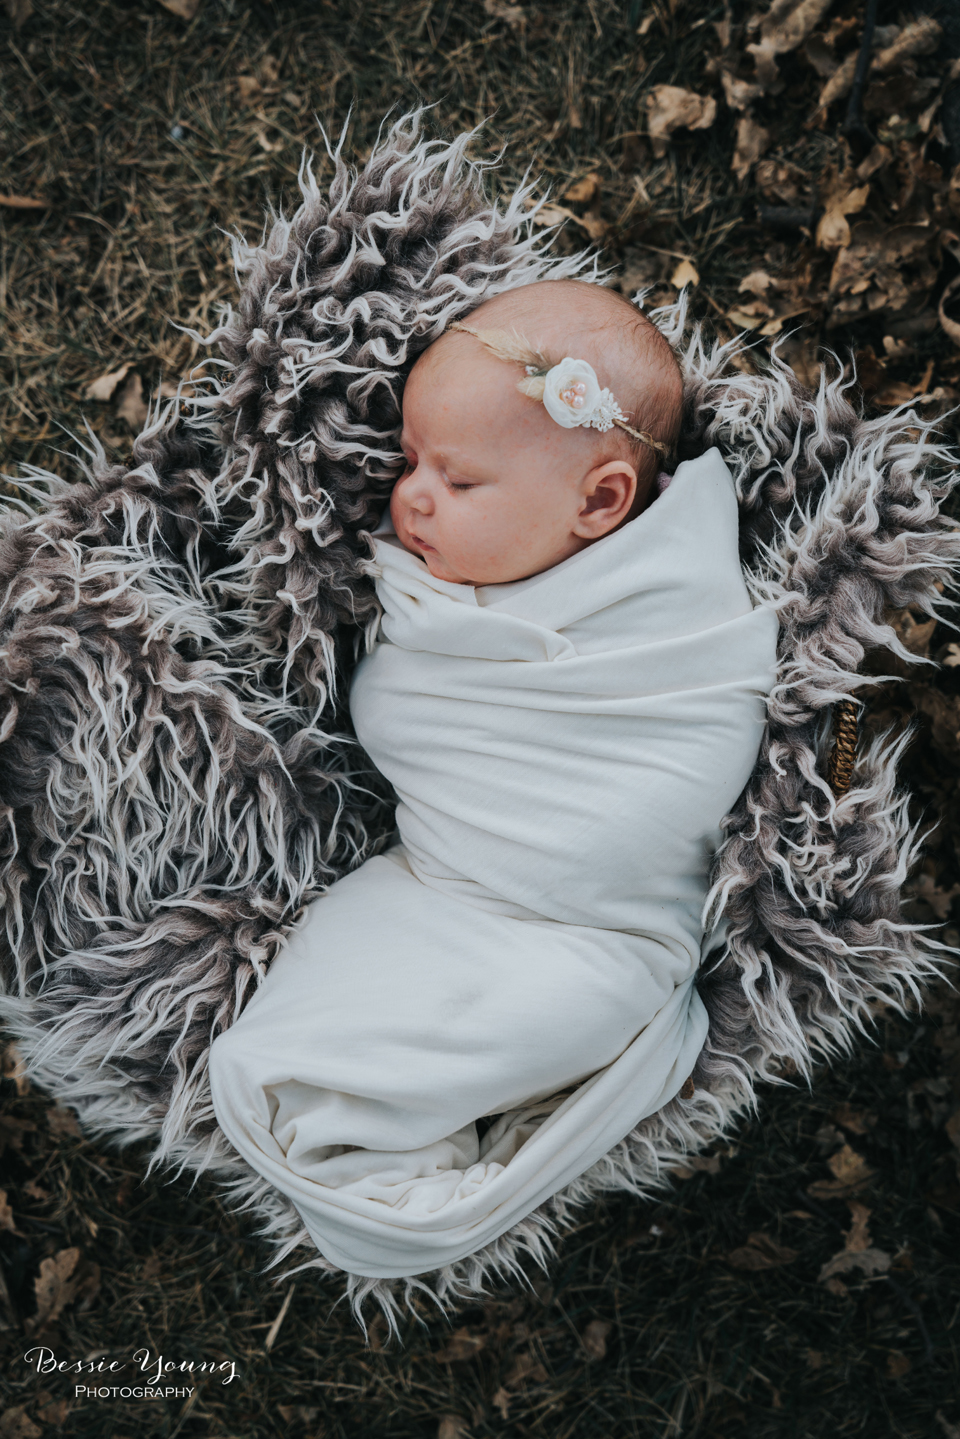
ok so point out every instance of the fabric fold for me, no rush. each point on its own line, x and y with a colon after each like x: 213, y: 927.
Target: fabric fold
x: 563, y: 749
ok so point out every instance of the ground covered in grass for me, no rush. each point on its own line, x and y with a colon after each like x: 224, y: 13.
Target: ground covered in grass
x: 805, y: 1280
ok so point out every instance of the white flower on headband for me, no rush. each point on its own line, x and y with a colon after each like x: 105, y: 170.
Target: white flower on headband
x: 572, y: 396
x: 569, y: 391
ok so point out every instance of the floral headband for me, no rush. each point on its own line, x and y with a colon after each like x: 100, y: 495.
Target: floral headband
x: 570, y: 391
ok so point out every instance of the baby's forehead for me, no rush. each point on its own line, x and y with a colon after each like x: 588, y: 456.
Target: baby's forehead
x: 458, y: 380
x: 571, y: 309
x: 571, y: 318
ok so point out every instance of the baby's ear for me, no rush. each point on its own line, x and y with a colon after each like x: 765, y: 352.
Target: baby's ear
x: 609, y: 491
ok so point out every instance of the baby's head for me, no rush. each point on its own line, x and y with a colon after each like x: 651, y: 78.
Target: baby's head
x: 495, y: 490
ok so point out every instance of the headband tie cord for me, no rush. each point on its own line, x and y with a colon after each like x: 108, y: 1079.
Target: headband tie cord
x: 569, y: 391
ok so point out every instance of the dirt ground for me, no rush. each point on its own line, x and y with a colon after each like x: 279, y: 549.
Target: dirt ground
x: 804, y: 1280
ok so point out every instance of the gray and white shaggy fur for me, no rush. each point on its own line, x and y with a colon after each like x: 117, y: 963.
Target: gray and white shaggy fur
x: 177, y: 772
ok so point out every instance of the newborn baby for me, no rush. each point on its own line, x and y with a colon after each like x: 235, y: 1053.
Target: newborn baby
x: 566, y: 694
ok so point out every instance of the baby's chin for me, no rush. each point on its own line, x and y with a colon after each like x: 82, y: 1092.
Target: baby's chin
x: 502, y: 574
x: 439, y: 568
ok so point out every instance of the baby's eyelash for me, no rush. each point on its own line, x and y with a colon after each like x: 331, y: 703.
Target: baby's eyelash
x: 459, y: 487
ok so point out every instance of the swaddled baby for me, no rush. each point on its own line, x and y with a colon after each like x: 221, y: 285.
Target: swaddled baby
x: 566, y: 694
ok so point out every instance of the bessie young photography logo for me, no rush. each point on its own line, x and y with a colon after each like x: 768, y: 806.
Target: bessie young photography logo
x: 155, y: 1369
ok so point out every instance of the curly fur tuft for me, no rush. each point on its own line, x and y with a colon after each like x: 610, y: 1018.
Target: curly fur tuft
x: 178, y: 777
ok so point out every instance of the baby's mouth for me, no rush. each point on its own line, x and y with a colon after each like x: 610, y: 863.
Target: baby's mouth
x: 421, y: 544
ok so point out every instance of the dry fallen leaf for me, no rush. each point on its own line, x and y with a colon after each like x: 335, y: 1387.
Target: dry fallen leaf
x: 784, y: 28
x: 849, y: 1166
x: 913, y: 633
x: 752, y: 141
x: 940, y: 900
x: 183, y: 9
x: 12, y: 1131
x: 558, y: 214
x: 51, y: 1410
x: 22, y: 202
x: 498, y: 10
x: 17, y: 1424
x: 461, y: 1345
x: 761, y: 1252
x: 839, y: 199
x: 921, y: 37
x: 306, y: 1413
x: 819, y: 53
x: 801, y: 353
x: 19, y: 11
x: 897, y: 1364
x: 270, y: 69
x: 132, y: 407
x: 952, y: 1129
x: 582, y: 192
x: 453, y: 1427
x: 6, y: 1214
x: 15, y: 1070
x: 851, y: 1173
x: 878, y: 158
x: 885, y: 266
x: 839, y: 84
x: 857, y: 1121
x: 697, y: 1164
x: 750, y: 317
x: 739, y: 93
x: 685, y: 273
x: 868, y: 1261
x: 103, y: 387
x: 857, y: 1237
x: 53, y: 1286
x: 594, y: 1338
x: 949, y: 326
x: 525, y: 1369
x: 63, y: 1121
x: 501, y: 1401
x: 670, y: 108
x: 757, y: 282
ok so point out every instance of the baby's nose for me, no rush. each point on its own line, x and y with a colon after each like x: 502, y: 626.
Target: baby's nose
x: 416, y: 492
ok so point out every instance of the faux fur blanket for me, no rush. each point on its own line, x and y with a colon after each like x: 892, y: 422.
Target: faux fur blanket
x: 176, y: 771
x: 563, y: 749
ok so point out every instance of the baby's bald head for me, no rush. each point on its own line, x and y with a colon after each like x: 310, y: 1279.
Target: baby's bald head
x: 495, y: 488
x: 628, y: 352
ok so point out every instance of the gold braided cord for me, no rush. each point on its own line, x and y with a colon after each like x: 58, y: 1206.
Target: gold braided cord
x: 518, y: 350
x: 843, y: 757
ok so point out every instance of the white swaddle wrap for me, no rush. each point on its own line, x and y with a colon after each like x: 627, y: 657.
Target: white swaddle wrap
x: 563, y: 749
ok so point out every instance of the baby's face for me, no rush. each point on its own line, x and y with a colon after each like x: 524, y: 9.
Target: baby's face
x: 494, y: 489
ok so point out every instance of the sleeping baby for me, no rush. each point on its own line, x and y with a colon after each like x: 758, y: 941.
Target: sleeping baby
x: 566, y: 693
